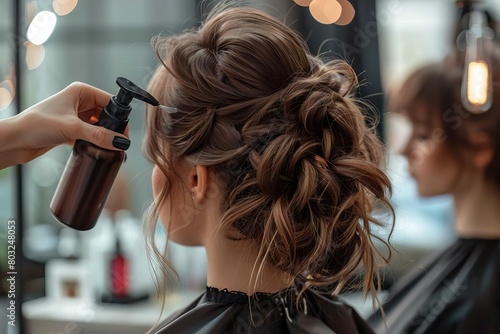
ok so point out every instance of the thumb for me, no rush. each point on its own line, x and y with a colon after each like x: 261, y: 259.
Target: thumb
x: 103, y: 137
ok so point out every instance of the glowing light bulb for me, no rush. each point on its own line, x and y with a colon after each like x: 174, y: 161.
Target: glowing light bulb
x: 41, y: 27
x: 477, y: 83
x: 476, y: 92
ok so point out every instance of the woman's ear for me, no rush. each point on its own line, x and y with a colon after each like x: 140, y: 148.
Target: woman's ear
x: 198, y: 183
x: 482, y: 150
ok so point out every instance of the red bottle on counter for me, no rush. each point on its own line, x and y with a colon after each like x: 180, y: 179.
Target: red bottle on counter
x: 119, y: 272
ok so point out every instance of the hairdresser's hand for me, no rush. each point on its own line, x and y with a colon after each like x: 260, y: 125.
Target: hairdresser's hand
x: 61, y: 118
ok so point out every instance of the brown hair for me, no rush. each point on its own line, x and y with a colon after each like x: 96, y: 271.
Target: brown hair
x: 285, y: 137
x: 437, y: 87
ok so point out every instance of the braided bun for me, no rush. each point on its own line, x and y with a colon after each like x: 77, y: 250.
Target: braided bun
x: 286, y: 138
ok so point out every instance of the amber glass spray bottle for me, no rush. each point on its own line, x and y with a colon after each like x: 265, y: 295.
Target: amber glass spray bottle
x: 91, y: 170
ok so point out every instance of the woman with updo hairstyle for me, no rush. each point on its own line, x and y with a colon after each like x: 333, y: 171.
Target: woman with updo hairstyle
x: 456, y: 152
x: 263, y: 157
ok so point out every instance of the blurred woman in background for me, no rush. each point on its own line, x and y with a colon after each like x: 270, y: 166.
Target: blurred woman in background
x: 452, y: 151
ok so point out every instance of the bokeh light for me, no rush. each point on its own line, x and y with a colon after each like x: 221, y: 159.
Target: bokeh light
x: 7, y: 92
x: 41, y: 27
x: 303, y: 3
x: 34, y: 55
x: 64, y: 7
x: 347, y: 14
x: 325, y: 11
x: 31, y: 9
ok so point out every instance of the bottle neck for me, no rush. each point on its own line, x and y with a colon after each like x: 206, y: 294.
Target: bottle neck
x: 114, y: 116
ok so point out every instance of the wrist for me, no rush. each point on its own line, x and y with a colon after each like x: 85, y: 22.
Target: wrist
x: 11, y: 141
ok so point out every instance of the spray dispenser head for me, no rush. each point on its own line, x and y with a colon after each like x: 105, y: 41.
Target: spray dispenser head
x: 115, y: 115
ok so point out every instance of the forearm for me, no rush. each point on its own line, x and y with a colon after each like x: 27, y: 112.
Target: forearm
x: 10, y: 142
x: 56, y: 120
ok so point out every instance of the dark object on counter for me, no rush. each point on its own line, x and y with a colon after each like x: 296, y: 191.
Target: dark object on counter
x: 128, y: 299
x: 222, y: 311
x: 119, y: 272
x: 91, y: 170
x: 455, y: 291
x: 119, y: 291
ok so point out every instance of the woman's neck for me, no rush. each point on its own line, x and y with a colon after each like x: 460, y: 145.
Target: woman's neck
x: 477, y: 211
x: 233, y: 265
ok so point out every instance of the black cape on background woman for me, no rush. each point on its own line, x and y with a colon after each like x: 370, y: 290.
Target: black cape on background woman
x: 455, y: 291
x: 225, y: 312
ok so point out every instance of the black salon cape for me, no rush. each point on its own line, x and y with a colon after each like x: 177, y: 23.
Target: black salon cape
x: 224, y: 312
x: 455, y: 291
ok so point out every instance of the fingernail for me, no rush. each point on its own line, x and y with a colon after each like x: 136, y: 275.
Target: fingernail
x: 121, y: 143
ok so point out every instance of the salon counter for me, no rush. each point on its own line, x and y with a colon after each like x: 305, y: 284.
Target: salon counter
x: 45, y: 315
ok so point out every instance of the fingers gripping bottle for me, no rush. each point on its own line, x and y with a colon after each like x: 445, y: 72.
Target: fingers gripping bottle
x: 91, y: 170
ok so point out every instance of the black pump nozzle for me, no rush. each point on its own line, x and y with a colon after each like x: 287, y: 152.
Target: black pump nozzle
x: 115, y: 115
x: 130, y: 90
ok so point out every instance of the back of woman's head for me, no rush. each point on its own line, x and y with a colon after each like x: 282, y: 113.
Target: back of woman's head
x: 432, y: 95
x: 285, y: 138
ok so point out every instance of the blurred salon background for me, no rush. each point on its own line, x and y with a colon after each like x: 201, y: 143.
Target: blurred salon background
x: 64, y: 276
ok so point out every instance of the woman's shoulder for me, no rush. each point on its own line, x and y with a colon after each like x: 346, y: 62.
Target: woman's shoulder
x: 223, y: 311
x: 455, y: 290
x: 334, y: 313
